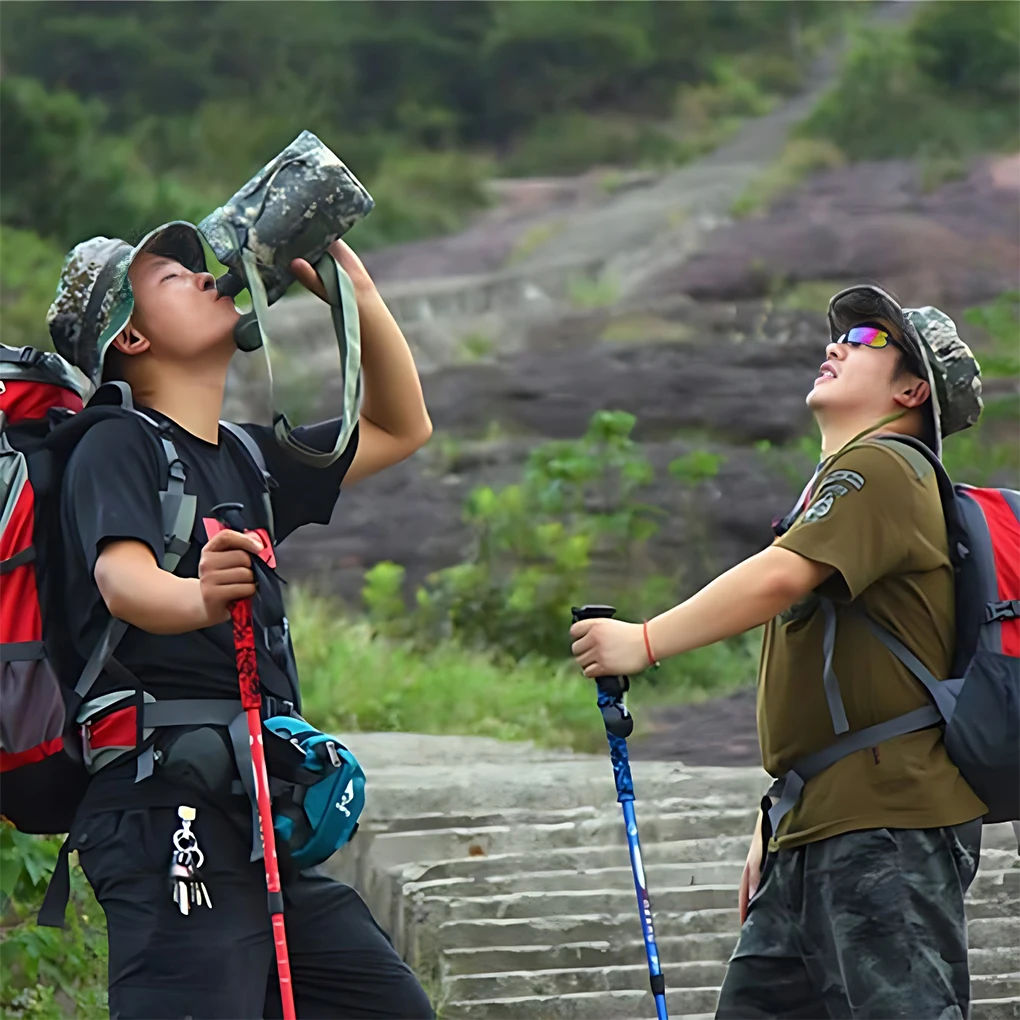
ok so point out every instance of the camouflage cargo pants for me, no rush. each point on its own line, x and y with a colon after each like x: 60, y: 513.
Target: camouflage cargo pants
x: 868, y: 924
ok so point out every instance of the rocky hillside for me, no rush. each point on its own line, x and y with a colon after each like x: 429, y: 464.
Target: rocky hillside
x: 715, y: 349
x: 642, y: 292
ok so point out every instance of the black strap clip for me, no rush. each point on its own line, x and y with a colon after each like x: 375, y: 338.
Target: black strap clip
x: 1008, y: 609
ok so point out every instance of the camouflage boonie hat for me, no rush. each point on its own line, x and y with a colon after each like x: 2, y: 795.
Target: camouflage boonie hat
x: 94, y: 298
x: 940, y: 356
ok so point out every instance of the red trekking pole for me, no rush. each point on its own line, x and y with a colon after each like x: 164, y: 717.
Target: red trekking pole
x: 228, y: 515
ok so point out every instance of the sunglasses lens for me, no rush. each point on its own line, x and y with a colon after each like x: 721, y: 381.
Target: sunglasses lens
x: 867, y: 336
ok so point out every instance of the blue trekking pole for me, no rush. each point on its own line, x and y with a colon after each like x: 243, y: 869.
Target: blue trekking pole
x: 619, y: 725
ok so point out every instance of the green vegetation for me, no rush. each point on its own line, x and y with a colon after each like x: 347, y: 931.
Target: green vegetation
x: 452, y: 689
x: 800, y: 158
x: 45, y: 973
x: 116, y: 117
x: 999, y: 322
x: 476, y: 346
x: 940, y: 89
x: 944, y: 86
x: 987, y: 453
x: 593, y: 291
x: 573, y: 525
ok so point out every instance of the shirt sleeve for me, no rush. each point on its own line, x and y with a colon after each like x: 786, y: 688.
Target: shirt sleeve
x: 858, y: 519
x: 304, y: 494
x: 111, y: 490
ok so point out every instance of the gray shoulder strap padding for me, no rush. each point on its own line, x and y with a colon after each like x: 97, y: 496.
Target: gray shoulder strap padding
x: 105, y: 647
x: 943, y: 692
x: 829, y: 680
x: 178, y: 507
x: 921, y: 465
x: 253, y: 448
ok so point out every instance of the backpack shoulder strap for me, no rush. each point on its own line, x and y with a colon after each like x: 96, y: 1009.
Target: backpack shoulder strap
x: 178, y: 510
x: 921, y: 459
x: 178, y: 507
x: 253, y: 453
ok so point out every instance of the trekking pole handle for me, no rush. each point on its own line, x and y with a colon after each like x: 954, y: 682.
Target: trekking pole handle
x: 229, y: 515
x: 617, y: 719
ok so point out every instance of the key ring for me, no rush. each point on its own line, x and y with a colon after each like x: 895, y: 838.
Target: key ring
x: 199, y: 858
x: 185, y: 836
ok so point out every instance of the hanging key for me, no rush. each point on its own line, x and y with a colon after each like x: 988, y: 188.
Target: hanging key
x: 180, y: 881
x: 196, y: 887
x: 188, y: 889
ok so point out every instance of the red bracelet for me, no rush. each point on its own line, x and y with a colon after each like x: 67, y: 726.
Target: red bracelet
x: 652, y: 661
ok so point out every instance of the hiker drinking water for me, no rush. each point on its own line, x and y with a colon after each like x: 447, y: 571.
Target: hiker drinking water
x: 190, y: 935
x: 871, y: 834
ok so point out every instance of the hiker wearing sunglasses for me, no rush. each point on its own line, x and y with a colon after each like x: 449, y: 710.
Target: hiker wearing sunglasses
x: 858, y: 910
x: 150, y: 316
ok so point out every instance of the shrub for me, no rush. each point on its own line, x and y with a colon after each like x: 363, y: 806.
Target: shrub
x: 946, y: 85
x: 29, y: 269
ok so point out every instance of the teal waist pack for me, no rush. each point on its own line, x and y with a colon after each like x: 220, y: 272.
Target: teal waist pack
x: 321, y: 814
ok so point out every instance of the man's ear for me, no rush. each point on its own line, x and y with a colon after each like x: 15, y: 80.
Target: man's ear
x: 914, y: 394
x: 129, y: 341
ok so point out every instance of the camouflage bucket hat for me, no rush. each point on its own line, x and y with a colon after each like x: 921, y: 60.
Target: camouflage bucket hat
x: 296, y: 206
x: 934, y: 343
x: 94, y: 297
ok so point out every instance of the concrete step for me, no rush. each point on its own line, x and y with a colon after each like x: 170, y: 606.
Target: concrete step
x: 603, y: 928
x: 615, y: 1005
x: 708, y: 948
x: 993, y: 932
x: 634, y: 1004
x: 983, y: 932
x: 610, y: 879
x: 396, y: 790
x: 692, y: 977
x: 995, y: 986
x: 574, y: 902
x: 539, y: 815
x: 991, y: 882
x: 581, y: 859
x: 1003, y: 960
x: 994, y: 891
x: 441, y: 844
x: 696, y: 974
x: 995, y: 1009
x: 1002, y: 906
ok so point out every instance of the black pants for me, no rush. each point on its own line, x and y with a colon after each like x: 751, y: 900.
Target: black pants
x: 869, y: 925
x: 220, y: 963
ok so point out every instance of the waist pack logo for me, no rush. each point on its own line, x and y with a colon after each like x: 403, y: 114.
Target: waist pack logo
x: 321, y: 814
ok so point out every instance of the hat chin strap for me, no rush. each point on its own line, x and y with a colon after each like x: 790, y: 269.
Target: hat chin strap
x: 935, y: 408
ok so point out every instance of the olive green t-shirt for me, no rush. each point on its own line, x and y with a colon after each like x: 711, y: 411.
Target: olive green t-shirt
x: 875, y: 516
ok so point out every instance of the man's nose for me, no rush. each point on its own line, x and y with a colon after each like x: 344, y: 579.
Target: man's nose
x: 206, y: 281
x: 835, y: 351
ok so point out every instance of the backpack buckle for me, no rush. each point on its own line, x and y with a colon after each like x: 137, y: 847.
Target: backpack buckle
x: 1008, y: 609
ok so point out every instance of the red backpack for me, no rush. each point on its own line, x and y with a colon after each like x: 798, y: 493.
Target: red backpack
x: 51, y: 737
x: 37, y: 391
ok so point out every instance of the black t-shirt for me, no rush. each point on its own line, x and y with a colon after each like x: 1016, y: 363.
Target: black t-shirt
x: 111, y: 491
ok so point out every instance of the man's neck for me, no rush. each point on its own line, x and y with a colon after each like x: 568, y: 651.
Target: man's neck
x: 191, y: 397
x: 836, y: 434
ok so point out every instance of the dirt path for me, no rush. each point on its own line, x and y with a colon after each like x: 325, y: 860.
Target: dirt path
x: 717, y: 732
